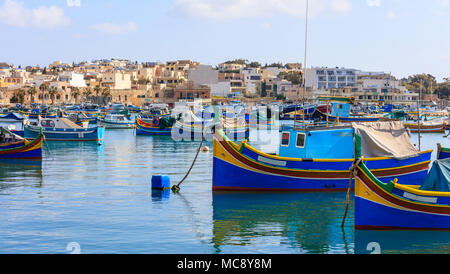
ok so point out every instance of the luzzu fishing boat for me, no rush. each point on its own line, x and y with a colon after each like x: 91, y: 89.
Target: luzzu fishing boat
x: 43, y: 113
x: 13, y: 146
x: 158, y: 126
x: 62, y: 129
x: 318, y: 159
x: 433, y: 126
x: 442, y: 152
x: 395, y: 205
x: 11, y: 117
x: 116, y: 121
x: 340, y: 111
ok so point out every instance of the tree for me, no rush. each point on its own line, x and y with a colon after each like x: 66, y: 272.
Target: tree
x: 53, y: 91
x: 106, y: 94
x: 75, y: 94
x: 87, y: 92
x: 20, y: 95
x: 97, y: 90
x: 43, y: 88
x: 292, y: 76
x: 426, y: 82
x: 443, y: 90
x: 32, y: 91
x: 254, y: 64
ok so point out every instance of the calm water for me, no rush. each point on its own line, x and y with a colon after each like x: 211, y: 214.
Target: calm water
x: 100, y: 197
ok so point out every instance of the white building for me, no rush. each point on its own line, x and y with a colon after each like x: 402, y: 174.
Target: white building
x: 251, y: 77
x: 73, y: 79
x: 326, y: 78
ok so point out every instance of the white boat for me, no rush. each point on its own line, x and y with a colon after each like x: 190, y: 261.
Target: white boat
x: 116, y: 121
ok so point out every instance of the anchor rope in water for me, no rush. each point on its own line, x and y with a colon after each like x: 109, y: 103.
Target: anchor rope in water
x: 353, y: 173
x: 176, y: 187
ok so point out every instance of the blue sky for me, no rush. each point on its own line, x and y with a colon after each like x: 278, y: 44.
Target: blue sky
x: 403, y: 37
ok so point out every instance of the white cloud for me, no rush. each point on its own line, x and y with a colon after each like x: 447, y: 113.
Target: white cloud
x: 16, y: 14
x: 373, y: 3
x: 343, y: 6
x: 73, y: 3
x: 231, y: 9
x: 391, y: 15
x: 116, y: 29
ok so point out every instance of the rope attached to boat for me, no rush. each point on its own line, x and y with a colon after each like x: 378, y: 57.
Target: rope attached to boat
x: 353, y: 173
x: 176, y: 188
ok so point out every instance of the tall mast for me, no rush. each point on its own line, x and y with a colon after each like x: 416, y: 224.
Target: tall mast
x: 304, y: 65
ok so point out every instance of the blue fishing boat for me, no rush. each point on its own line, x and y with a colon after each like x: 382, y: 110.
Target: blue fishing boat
x: 158, y: 126
x: 116, y: 121
x: 11, y: 117
x: 399, y: 205
x: 190, y: 127
x: 442, y: 152
x: 340, y: 111
x: 13, y: 146
x: 62, y: 129
x: 318, y: 158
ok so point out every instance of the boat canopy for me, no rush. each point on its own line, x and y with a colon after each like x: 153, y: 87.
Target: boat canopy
x: 438, y: 178
x: 57, y: 123
x: 384, y: 139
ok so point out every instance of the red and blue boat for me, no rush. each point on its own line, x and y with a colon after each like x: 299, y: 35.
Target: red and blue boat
x: 397, y: 205
x: 153, y: 128
x: 13, y: 146
x: 312, y: 159
x: 443, y: 152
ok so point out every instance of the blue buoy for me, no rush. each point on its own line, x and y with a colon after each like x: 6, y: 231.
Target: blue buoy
x: 160, y: 182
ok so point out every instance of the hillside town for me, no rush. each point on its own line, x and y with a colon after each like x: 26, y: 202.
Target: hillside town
x: 133, y: 83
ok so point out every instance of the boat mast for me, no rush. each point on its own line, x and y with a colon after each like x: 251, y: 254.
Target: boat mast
x: 304, y: 65
x: 418, y: 112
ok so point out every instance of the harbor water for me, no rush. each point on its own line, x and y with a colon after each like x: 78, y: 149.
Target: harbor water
x: 98, y: 199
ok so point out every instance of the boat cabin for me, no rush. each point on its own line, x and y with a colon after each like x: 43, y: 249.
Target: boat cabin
x: 317, y: 143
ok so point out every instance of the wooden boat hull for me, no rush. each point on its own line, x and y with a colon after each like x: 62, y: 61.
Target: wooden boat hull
x: 332, y: 118
x: 242, y: 168
x: 78, y: 134
x: 115, y: 125
x: 196, y: 131
x: 414, y: 128
x: 23, y: 150
x: 144, y: 128
x: 391, y: 206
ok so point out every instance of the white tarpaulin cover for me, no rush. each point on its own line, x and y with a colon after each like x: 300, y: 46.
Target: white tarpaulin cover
x: 385, y: 139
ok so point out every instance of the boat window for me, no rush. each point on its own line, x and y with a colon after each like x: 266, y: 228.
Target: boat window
x: 285, y: 139
x: 301, y: 140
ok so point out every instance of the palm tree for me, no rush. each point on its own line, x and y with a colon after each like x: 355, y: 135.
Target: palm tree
x: 20, y: 94
x: 97, y: 89
x: 43, y: 88
x: 32, y: 91
x: 106, y: 93
x: 87, y: 92
x: 75, y: 93
x: 52, y: 92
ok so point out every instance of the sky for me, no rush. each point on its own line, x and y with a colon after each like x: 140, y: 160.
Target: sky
x: 402, y: 37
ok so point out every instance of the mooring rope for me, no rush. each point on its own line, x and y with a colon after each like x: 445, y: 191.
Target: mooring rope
x: 176, y: 187
x: 353, y: 173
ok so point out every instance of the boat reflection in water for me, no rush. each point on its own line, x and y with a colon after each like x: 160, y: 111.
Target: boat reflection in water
x: 401, y: 242
x: 18, y: 173
x: 281, y: 223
